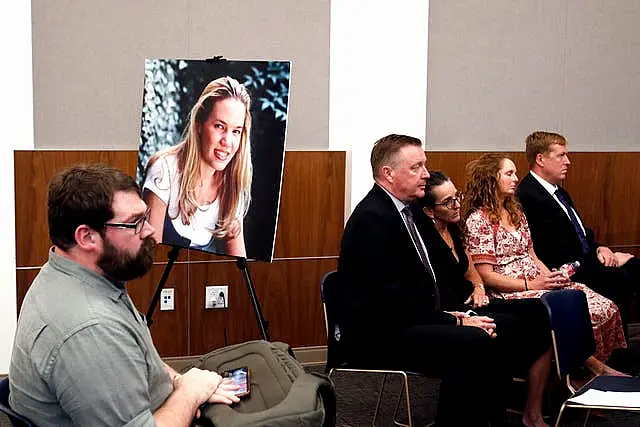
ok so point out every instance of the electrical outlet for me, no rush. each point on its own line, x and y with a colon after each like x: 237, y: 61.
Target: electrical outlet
x: 216, y: 296
x: 167, y: 299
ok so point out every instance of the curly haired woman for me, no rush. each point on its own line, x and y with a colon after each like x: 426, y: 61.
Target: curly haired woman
x: 500, y: 245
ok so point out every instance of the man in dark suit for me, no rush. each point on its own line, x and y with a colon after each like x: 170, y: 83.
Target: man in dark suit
x: 557, y: 230
x: 391, y: 313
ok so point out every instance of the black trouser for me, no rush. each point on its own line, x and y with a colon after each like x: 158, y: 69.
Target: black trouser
x: 475, y: 369
x: 619, y: 284
x: 529, y: 333
x: 470, y: 365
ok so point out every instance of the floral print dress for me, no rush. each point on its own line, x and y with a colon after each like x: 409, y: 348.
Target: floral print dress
x: 508, y: 252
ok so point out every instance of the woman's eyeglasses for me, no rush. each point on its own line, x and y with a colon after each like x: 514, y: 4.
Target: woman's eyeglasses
x: 451, y: 203
x: 137, y: 225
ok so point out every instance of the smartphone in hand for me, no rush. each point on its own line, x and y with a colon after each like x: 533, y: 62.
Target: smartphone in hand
x: 241, y: 378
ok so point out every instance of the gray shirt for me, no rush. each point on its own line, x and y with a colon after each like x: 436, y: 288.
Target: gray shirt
x: 83, y: 354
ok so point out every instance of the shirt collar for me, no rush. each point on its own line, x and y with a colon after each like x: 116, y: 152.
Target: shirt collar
x: 87, y: 276
x: 399, y: 204
x: 551, y: 188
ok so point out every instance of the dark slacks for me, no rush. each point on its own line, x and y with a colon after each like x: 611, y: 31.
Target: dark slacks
x: 475, y: 369
x: 619, y: 284
x: 467, y: 360
x: 527, y: 333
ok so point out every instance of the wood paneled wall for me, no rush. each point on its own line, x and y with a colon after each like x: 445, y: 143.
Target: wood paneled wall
x: 310, y: 226
x: 604, y: 186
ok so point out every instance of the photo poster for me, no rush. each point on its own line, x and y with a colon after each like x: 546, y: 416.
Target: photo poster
x: 214, y: 185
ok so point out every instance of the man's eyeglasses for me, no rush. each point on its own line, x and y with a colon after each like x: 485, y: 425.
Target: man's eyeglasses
x: 451, y: 203
x: 138, y: 225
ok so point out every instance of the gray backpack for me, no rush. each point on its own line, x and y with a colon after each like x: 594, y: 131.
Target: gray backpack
x: 282, y: 393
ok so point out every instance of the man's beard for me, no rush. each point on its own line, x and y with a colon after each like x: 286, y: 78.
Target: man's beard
x: 119, y: 265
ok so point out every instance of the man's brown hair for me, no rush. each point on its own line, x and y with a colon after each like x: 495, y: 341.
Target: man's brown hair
x: 386, y: 148
x: 83, y: 194
x: 538, y: 143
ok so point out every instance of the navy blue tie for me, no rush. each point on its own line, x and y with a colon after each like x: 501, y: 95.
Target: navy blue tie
x: 413, y: 231
x: 574, y: 220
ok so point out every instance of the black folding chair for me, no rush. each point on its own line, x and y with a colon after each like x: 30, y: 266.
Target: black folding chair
x: 16, y: 419
x: 336, y: 360
x: 573, y: 344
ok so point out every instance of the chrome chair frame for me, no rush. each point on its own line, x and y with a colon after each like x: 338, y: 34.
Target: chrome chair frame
x: 344, y: 367
x: 404, y: 391
x: 573, y: 344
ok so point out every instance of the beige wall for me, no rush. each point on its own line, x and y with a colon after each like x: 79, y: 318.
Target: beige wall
x: 499, y: 69
x: 16, y: 121
x: 88, y: 61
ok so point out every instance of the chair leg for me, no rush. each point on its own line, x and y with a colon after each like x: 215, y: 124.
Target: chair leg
x: 587, y: 417
x: 560, y: 414
x: 405, y: 389
x: 395, y: 412
x: 375, y: 414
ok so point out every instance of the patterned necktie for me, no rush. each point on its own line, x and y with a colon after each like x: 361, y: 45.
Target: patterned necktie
x: 574, y: 220
x: 413, y: 231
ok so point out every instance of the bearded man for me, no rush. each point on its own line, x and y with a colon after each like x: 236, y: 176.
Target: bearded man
x: 83, y: 354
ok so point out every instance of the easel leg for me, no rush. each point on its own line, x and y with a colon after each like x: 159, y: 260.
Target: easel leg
x: 263, y: 325
x: 173, y: 255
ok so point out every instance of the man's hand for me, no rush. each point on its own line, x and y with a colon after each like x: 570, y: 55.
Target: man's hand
x: 199, y: 384
x: 458, y: 314
x: 606, y: 257
x: 190, y: 391
x: 483, y: 322
x: 622, y: 258
x: 225, y: 393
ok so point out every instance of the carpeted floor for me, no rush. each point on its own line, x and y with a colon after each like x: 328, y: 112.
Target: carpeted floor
x: 357, y: 394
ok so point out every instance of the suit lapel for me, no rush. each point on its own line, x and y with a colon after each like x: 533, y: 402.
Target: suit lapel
x: 398, y: 224
x: 549, y: 201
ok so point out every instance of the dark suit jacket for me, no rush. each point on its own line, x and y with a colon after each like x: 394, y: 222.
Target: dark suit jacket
x: 385, y: 286
x: 555, y: 240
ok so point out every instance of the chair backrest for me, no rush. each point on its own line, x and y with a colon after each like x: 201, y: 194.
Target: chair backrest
x: 571, y: 328
x: 329, y: 288
x: 16, y: 419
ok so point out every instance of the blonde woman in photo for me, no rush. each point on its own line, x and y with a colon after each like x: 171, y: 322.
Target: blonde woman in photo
x: 199, y: 190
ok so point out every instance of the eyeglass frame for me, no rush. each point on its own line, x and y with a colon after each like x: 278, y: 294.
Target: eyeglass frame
x: 132, y: 225
x: 450, y: 204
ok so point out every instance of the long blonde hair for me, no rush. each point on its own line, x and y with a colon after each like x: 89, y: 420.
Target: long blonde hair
x: 482, y: 191
x: 235, y: 187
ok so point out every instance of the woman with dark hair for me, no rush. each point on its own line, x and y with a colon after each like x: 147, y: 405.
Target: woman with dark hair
x: 500, y: 246
x: 199, y: 190
x: 462, y: 288
x: 441, y: 203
